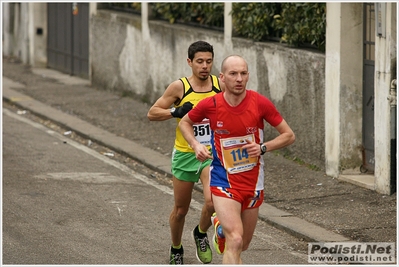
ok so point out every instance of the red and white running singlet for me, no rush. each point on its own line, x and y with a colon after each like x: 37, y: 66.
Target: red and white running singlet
x: 230, y: 126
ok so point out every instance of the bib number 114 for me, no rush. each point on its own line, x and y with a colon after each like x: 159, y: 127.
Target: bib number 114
x: 239, y: 154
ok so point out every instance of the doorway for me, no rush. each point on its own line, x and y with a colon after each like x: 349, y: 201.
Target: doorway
x: 68, y: 38
x: 368, y: 87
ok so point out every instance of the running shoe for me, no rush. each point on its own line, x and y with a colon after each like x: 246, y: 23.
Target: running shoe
x: 203, y: 252
x: 176, y: 256
x: 218, y: 238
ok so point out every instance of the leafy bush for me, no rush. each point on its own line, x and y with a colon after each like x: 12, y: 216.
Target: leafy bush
x: 255, y: 20
x: 205, y: 14
x: 126, y: 7
x: 302, y: 23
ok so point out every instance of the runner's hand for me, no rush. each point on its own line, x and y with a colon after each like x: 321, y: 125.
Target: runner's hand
x: 202, y: 153
x: 179, y: 112
x: 252, y: 148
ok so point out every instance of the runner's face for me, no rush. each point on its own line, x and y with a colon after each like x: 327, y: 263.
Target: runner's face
x: 201, y: 64
x: 235, y: 76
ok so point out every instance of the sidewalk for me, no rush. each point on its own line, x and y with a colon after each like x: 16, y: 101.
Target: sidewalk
x: 306, y: 203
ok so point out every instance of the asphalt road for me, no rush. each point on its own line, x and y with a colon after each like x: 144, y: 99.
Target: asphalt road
x: 66, y: 203
x: 299, y: 200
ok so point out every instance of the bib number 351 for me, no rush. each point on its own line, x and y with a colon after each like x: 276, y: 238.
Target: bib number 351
x: 202, y: 132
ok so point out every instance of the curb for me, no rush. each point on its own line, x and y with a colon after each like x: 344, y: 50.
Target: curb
x: 280, y: 219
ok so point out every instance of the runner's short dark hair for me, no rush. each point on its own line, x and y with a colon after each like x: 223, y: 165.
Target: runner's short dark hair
x: 199, y: 46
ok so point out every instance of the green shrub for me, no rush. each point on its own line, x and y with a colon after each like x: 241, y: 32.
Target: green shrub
x: 302, y: 23
x: 127, y: 7
x: 205, y: 14
x: 255, y: 20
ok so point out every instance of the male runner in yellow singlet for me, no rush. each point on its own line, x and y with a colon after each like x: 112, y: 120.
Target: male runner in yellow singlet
x: 184, y: 94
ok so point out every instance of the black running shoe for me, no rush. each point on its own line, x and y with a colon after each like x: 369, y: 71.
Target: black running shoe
x: 203, y: 252
x: 176, y: 256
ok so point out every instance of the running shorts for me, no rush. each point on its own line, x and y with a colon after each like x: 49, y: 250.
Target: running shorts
x: 248, y: 199
x: 186, y: 167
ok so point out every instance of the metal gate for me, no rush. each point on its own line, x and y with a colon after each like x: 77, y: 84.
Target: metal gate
x: 68, y: 38
x: 368, y: 87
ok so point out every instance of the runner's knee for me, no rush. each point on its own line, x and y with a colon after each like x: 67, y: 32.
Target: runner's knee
x: 180, y: 212
x: 209, y: 205
x: 235, y: 242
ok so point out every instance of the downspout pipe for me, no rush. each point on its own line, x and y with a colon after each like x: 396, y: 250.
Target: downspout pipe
x: 393, y: 103
x: 392, y: 100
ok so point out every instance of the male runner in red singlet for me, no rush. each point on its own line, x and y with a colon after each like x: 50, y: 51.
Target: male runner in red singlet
x: 236, y: 118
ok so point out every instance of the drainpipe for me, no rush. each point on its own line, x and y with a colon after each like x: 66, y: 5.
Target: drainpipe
x: 392, y: 100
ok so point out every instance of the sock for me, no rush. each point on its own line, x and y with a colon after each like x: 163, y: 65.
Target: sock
x: 177, y: 247
x: 199, y: 230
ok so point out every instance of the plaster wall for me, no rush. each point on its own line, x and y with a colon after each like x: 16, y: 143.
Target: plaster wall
x: 38, y: 44
x: 351, y: 87
x: 7, y: 25
x: 333, y: 78
x: 344, y: 87
x: 15, y: 30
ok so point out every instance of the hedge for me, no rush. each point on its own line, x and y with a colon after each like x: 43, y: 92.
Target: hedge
x: 296, y: 24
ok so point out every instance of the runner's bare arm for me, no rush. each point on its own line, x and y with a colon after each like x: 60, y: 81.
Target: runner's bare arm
x: 160, y: 111
x: 285, y: 138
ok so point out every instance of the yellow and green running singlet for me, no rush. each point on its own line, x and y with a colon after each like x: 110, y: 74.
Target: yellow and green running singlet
x: 202, y: 130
